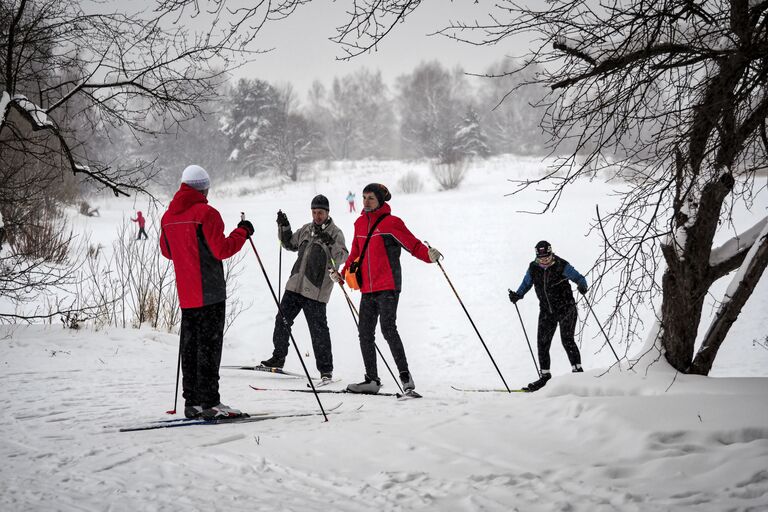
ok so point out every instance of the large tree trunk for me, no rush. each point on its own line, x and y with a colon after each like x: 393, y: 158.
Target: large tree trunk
x: 737, y: 295
x: 680, y: 312
x: 689, y: 276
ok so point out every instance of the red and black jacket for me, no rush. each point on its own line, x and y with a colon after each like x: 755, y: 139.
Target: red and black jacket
x: 192, y: 236
x: 381, y: 264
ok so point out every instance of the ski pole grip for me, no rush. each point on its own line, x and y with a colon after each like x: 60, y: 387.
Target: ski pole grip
x: 242, y: 215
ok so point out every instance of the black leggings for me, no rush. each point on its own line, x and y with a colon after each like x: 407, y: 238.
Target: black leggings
x: 375, y: 306
x: 202, y: 336
x: 314, y: 312
x: 548, y: 322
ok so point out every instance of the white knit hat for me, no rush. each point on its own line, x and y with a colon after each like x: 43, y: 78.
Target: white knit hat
x: 196, y: 177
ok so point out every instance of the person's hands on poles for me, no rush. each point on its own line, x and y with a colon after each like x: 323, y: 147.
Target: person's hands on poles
x: 434, y: 255
x: 582, y: 287
x: 514, y: 297
x: 247, y: 226
x: 335, y: 276
x: 282, y: 219
x: 324, y: 238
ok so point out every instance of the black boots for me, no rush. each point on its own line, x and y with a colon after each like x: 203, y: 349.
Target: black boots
x: 538, y: 384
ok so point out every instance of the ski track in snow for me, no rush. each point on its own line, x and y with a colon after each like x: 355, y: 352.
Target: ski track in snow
x: 645, y: 441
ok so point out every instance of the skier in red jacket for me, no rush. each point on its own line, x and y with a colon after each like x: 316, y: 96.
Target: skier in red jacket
x: 142, y: 221
x: 381, y: 281
x: 192, y: 236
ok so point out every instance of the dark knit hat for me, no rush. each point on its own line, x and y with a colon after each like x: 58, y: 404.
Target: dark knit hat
x: 320, y: 201
x: 543, y: 249
x: 380, y: 191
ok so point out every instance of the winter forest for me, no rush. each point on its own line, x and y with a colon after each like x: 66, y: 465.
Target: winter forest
x: 631, y: 135
x: 256, y: 128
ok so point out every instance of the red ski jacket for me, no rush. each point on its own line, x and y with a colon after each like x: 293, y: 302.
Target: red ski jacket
x: 381, y: 264
x: 140, y: 219
x: 192, y: 236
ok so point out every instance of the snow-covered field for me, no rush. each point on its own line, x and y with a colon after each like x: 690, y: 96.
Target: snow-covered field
x: 622, y: 440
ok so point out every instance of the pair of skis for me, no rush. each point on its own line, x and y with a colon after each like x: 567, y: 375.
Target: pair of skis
x: 491, y: 390
x: 280, y: 371
x: 245, y: 418
x: 318, y: 383
x: 400, y: 396
x: 412, y: 394
x: 267, y: 369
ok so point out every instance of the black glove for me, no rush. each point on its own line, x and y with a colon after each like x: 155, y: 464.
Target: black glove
x: 247, y: 226
x: 325, y: 238
x: 582, y: 288
x: 514, y: 297
x: 282, y: 219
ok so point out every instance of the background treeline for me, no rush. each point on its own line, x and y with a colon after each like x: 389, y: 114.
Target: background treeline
x: 433, y: 112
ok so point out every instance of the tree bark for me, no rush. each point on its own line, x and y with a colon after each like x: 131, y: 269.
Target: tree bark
x: 729, y: 312
x: 688, y: 277
x: 684, y: 293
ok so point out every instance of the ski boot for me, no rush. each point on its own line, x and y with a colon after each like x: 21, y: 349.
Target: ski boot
x: 274, y: 362
x: 193, y: 411
x: 220, y: 411
x: 538, y: 384
x: 368, y: 387
x: 409, y: 388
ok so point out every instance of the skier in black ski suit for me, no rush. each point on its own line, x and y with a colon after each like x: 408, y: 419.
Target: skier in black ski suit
x: 549, y: 275
x: 320, y: 245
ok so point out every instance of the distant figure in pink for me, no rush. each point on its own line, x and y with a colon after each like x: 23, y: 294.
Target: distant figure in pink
x: 351, y: 201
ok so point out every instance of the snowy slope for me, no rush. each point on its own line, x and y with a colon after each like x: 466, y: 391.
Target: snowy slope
x: 644, y: 440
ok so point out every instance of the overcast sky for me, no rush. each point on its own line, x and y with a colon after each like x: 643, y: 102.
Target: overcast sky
x: 303, y: 52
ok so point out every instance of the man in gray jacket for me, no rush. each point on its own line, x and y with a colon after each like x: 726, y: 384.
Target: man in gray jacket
x: 320, y: 245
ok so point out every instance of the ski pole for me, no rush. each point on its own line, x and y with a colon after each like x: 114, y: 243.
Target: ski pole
x: 280, y: 268
x: 176, y: 394
x: 355, y: 316
x: 603, y: 331
x: 470, y: 320
x: 526, y: 338
x: 280, y: 311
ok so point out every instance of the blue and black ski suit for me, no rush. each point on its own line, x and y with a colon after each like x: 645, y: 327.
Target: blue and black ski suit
x: 556, y: 306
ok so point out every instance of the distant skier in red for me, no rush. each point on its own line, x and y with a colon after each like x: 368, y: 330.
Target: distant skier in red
x: 351, y: 201
x: 142, y: 221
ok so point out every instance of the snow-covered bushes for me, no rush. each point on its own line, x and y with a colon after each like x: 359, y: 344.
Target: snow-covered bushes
x: 449, y: 175
x: 135, y: 285
x: 45, y: 239
x: 410, y: 183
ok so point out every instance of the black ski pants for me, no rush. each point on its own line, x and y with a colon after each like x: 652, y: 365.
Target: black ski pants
x: 548, y: 322
x: 374, y: 306
x: 317, y: 321
x: 202, y: 336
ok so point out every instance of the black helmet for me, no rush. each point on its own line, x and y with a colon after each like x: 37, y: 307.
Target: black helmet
x: 543, y: 249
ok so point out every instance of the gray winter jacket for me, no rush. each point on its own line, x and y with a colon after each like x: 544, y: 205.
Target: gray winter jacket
x: 309, y: 276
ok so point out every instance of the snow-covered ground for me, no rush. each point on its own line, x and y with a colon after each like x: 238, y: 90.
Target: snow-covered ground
x: 643, y: 440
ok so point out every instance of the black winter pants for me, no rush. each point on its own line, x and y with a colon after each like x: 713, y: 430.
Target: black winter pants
x: 375, y: 306
x: 317, y: 321
x: 547, y: 324
x: 202, y: 336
